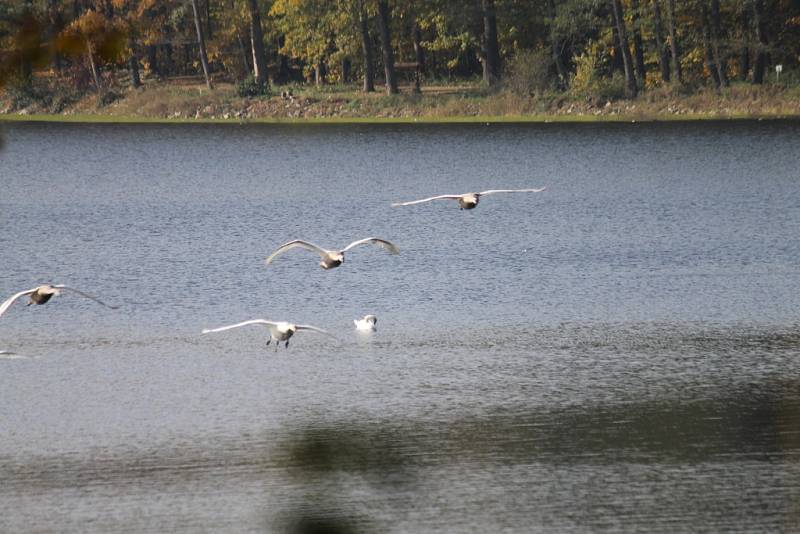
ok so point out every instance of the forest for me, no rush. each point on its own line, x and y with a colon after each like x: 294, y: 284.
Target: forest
x: 60, y: 50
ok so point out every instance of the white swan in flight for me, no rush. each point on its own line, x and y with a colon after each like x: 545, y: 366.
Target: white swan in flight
x: 279, y: 331
x: 332, y: 258
x: 467, y: 201
x: 41, y: 294
x: 367, y: 323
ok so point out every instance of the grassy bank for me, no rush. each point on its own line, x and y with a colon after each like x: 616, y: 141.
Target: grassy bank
x: 187, y: 100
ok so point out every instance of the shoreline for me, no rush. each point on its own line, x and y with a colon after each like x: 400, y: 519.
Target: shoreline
x: 185, y: 102
x: 464, y: 119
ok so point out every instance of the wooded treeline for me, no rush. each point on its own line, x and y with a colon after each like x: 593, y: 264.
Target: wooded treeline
x: 527, y: 45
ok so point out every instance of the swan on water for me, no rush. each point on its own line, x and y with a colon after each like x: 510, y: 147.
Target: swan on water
x: 467, y: 201
x: 331, y: 258
x: 367, y: 323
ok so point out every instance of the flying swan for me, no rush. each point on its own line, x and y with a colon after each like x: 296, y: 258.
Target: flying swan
x: 41, y: 294
x: 467, y: 201
x: 331, y: 258
x: 279, y: 331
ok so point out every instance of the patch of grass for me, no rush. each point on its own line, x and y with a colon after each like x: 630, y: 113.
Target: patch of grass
x: 175, y: 102
x: 251, y: 87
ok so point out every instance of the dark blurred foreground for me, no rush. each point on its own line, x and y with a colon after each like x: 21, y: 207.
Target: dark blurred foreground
x: 348, y: 476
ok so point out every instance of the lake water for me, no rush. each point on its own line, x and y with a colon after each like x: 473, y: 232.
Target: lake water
x: 620, y: 353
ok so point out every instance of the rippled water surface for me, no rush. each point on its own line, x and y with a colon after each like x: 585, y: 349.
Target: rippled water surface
x: 618, y: 353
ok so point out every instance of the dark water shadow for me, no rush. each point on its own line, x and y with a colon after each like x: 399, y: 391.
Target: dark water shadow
x: 327, y: 475
x: 749, y: 424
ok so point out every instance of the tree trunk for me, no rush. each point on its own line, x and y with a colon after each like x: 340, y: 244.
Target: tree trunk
x: 169, y: 63
x: 152, y: 59
x: 133, y: 65
x: 208, y: 20
x: 319, y: 73
x: 187, y: 57
x: 744, y: 58
x: 284, y: 73
x: 93, y: 65
x: 56, y: 25
x: 556, y: 44
x: 58, y: 62
x: 201, y: 43
x: 76, y: 9
x: 386, y: 45
x: 673, y: 42
x: 716, y: 35
x: 419, y: 52
x: 638, y: 47
x: 706, y: 32
x: 491, y: 52
x: 257, y: 44
x: 25, y: 72
x: 761, y: 36
x: 663, y: 55
x: 346, y: 68
x: 471, y: 61
x: 366, y: 49
x: 481, y: 55
x: 617, y: 63
x: 243, y: 51
x: 627, y: 60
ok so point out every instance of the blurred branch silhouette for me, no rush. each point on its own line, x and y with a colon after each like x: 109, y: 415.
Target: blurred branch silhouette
x: 31, y: 41
x: 22, y: 49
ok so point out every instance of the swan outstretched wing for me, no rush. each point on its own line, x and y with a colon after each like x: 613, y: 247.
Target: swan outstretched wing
x: 395, y: 204
x: 296, y: 243
x: 266, y: 323
x: 9, y: 301
x: 87, y: 295
x: 315, y: 329
x: 388, y: 245
x: 492, y: 191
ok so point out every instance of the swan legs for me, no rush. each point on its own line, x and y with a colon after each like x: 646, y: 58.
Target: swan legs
x: 278, y: 343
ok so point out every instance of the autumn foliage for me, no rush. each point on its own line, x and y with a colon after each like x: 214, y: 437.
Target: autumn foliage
x: 541, y: 45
